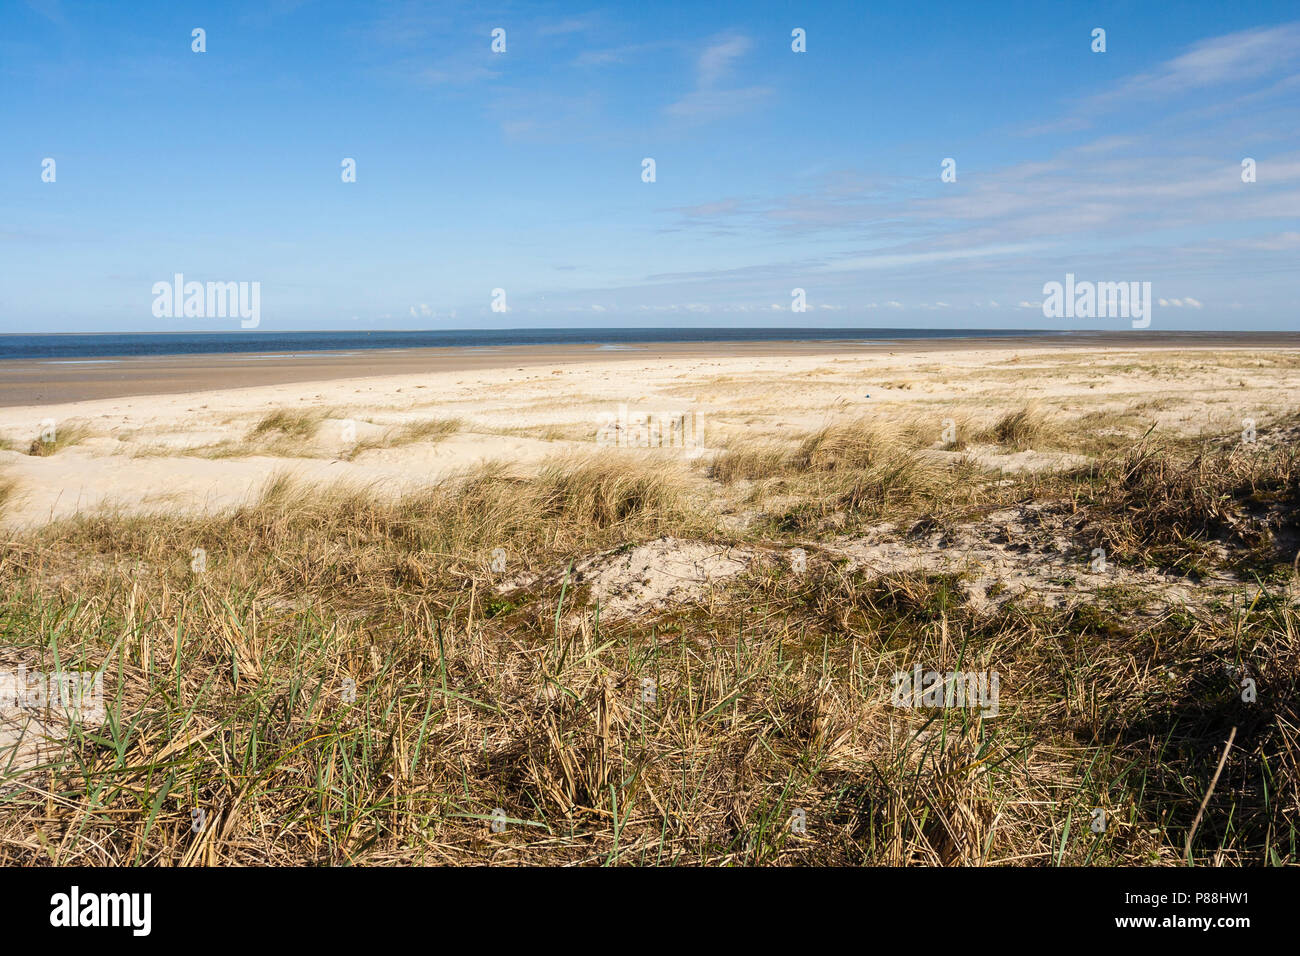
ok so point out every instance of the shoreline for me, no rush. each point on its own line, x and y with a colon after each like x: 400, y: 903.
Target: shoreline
x: 41, y: 382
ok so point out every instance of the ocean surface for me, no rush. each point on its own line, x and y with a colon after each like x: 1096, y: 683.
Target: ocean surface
x: 98, y: 347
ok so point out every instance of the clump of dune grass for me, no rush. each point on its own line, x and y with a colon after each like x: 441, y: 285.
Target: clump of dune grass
x: 845, y: 445
x: 861, y: 469
x: 1023, y: 428
x: 432, y: 429
x: 290, y: 423
x: 605, y: 491
x: 748, y: 460
x: 1167, y: 503
x: 943, y: 429
x: 411, y: 433
x: 857, y: 469
x: 65, y: 436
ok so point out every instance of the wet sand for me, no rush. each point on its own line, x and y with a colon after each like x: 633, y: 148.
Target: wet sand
x: 31, y: 382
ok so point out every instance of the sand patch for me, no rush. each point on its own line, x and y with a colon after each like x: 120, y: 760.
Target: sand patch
x: 1026, y: 553
x: 651, y: 576
x: 1024, y: 462
x: 38, y: 711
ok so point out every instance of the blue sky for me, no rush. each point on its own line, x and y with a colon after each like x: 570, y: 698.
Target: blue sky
x: 522, y: 170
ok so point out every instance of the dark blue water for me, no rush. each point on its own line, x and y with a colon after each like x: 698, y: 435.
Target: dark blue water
x: 75, y: 346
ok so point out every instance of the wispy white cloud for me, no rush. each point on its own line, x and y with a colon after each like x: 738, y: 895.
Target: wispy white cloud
x: 716, y: 60
x: 1230, y: 59
x: 1225, y: 63
x: 892, y: 260
x: 710, y: 100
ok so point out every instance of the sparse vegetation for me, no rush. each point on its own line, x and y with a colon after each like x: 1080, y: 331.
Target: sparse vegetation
x: 427, y: 430
x: 772, y: 694
x: 8, y: 488
x: 292, y: 423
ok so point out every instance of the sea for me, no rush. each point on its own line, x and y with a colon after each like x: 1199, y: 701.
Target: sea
x: 98, y: 347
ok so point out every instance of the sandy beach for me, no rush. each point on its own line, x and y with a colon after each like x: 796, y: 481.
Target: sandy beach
x: 180, y: 434
x: 60, y: 381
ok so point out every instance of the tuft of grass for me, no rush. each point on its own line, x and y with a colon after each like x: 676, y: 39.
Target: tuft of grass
x: 742, y: 460
x: 65, y: 436
x: 858, y: 443
x: 411, y: 433
x: 1165, y: 503
x: 603, y: 491
x: 432, y: 429
x: 290, y: 423
x: 933, y: 430
x: 8, y: 488
x: 1024, y: 428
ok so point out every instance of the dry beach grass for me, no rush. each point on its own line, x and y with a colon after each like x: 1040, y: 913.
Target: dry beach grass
x: 682, y: 655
